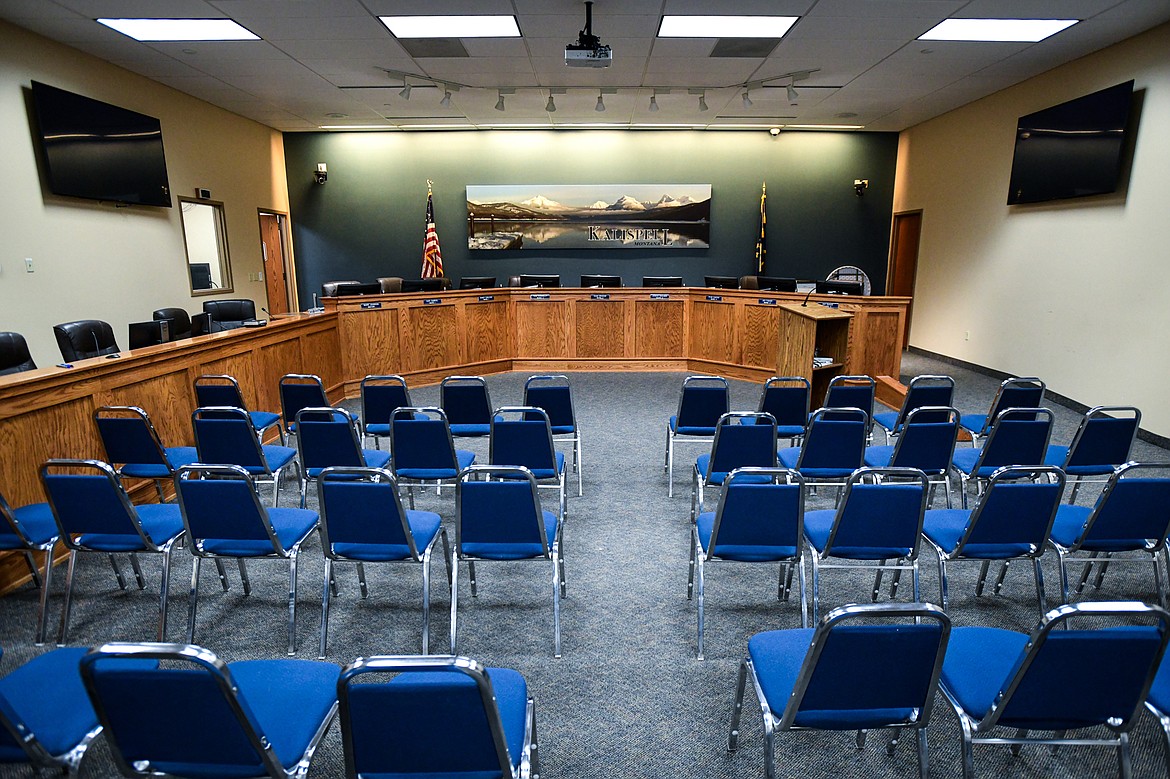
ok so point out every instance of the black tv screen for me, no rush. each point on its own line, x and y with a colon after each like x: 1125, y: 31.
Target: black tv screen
x: 99, y: 151
x: 1073, y: 149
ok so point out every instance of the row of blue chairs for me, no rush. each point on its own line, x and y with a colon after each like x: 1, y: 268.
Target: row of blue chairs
x: 179, y: 710
x: 219, y: 516
x: 883, y: 517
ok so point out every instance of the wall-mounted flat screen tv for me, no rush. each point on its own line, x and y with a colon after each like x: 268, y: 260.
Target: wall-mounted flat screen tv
x: 99, y: 151
x: 1073, y: 149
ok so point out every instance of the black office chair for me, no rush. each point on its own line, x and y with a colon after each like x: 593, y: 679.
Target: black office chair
x: 14, y: 356
x: 178, y: 320
x: 229, y: 314
x: 85, y: 338
x: 329, y: 288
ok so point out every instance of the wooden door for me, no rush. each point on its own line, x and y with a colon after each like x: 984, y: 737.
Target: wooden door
x: 903, y: 268
x: 273, y: 250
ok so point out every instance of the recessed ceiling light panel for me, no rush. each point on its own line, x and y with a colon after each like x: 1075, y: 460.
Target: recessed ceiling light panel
x: 1011, y: 30
x: 181, y: 29
x: 725, y: 26
x: 452, y: 26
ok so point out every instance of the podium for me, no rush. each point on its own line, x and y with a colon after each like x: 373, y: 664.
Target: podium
x: 814, y: 331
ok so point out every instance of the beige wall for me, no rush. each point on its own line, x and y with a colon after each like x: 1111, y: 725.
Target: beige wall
x: 95, y: 261
x: 1075, y: 292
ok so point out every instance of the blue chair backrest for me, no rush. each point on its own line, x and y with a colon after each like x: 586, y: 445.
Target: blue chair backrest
x: 499, y: 511
x: 552, y: 394
x: 465, y: 400
x: 380, y: 396
x: 10, y: 528
x: 702, y: 401
x: 755, y: 515
x: 1019, y: 436
x: 1016, y: 510
x: 1017, y: 393
x: 1131, y: 508
x: 224, y: 507
x: 526, y: 440
x: 837, y: 442
x: 86, y: 497
x: 326, y: 437
x: 1081, y: 677
x: 928, y: 439
x: 1103, y: 439
x: 361, y: 512
x: 884, y: 516
x: 183, y: 720
x: 740, y: 440
x: 928, y: 391
x: 851, y: 392
x: 218, y: 391
x: 225, y: 436
x: 128, y: 436
x: 861, y: 675
x: 421, y: 438
x: 299, y: 391
x: 443, y: 714
x: 786, y: 398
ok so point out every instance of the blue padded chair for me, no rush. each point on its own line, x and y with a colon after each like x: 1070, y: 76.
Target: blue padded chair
x: 298, y: 391
x: 1132, y: 515
x: 833, y: 447
x: 133, y: 446
x: 552, y: 393
x: 223, y: 390
x: 45, y: 717
x: 1019, y: 436
x: 701, y: 401
x: 1056, y: 679
x: 465, y: 401
x: 851, y: 392
x: 328, y: 438
x: 1101, y: 444
x: 363, y: 521
x: 226, y: 436
x: 926, y: 441
x: 522, y: 435
x: 742, y: 439
x: 380, y: 395
x: 225, y: 519
x: 1012, y: 520
x: 29, y: 529
x: 424, y: 450
x: 923, y: 390
x: 190, y: 714
x: 873, y: 524
x: 760, y: 519
x: 1016, y: 392
x: 862, y: 668
x: 1158, y: 702
x: 94, y: 514
x: 787, y: 399
x: 498, y: 518
x: 451, y: 716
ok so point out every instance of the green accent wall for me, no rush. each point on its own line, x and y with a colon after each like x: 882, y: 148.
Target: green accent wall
x: 367, y: 220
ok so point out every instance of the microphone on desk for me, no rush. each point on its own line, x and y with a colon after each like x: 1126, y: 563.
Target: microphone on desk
x: 266, y: 311
x: 806, y: 297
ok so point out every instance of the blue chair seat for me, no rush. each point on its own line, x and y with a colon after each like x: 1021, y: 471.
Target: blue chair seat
x: 177, y: 456
x: 887, y: 419
x: 424, y: 526
x: 378, y: 428
x: 789, y: 431
x: 818, y: 525
x: 496, y: 551
x: 703, y: 460
x: 965, y: 459
x: 276, y: 456
x: 1159, y: 694
x: 777, y: 657
x: 1070, y: 520
x: 36, y: 519
x: 790, y: 456
x: 471, y: 429
x: 48, y: 695
x: 161, y: 521
x: 972, y: 422
x: 1056, y: 455
x: 263, y: 419
x: 462, y: 456
x: 688, y: 429
x: 705, y: 523
x: 878, y: 456
x: 374, y: 458
x: 563, y: 429
x: 290, y: 526
x: 945, y: 527
x: 977, y: 663
x: 543, y: 473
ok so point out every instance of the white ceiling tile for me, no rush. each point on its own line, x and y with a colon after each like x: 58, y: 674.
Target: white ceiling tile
x: 740, y: 7
x: 576, y: 9
x: 378, y: 48
x: 36, y: 9
x: 926, y: 9
x: 243, y: 9
x: 495, y: 47
x: 198, y: 53
x: 861, y: 28
x: 313, y: 28
x: 1033, y: 9
x: 146, y: 9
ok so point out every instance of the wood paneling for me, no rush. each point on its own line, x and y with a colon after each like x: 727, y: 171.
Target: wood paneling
x: 429, y: 339
x: 160, y: 397
x: 713, y: 331
x: 542, y: 328
x: 761, y: 336
x: 321, y: 352
x: 487, y: 332
x: 372, y: 338
x: 659, y: 328
x: 601, y: 328
x: 879, y: 351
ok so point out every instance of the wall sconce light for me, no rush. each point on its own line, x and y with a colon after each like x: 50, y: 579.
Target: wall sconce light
x: 859, y: 186
x: 321, y: 174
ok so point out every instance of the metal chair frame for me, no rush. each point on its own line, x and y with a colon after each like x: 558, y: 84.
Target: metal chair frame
x: 1008, y: 416
x: 160, y: 451
x: 554, y: 381
x: 43, y: 581
x: 294, y: 389
x: 258, y: 458
x: 924, y: 384
x: 465, y: 382
x: 532, y: 414
x: 374, y: 390
x: 1007, y: 396
x: 334, y: 413
x: 778, y: 385
x: 212, y: 389
x: 433, y: 414
x: 1084, y: 433
x: 729, y: 421
x: 936, y: 477
x: 696, y: 381
x: 831, y: 415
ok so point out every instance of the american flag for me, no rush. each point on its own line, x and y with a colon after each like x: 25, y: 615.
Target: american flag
x: 761, y: 245
x: 432, y: 263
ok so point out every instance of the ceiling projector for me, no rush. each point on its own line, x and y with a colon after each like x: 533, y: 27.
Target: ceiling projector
x: 588, y: 51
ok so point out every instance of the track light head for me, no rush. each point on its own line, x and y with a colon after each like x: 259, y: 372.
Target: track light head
x: 792, y: 94
x: 500, y: 102
x: 747, y: 101
x: 404, y: 93
x: 551, y: 105
x: 653, y: 102
x: 446, y: 101
x: 702, y: 101
x: 600, y: 103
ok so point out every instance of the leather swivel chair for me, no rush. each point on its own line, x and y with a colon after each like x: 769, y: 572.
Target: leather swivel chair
x: 179, y: 319
x: 229, y: 314
x: 390, y: 283
x: 85, y: 338
x: 14, y: 356
x: 329, y: 288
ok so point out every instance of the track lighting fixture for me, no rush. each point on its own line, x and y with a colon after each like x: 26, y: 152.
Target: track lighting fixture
x: 792, y: 93
x: 500, y: 102
x: 747, y: 101
x: 446, y: 101
x: 551, y: 105
x: 600, y: 103
x: 404, y: 93
x: 702, y: 101
x: 654, y: 102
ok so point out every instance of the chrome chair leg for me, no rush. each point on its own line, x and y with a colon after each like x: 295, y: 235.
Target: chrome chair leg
x: 63, y: 632
x: 243, y: 566
x: 193, y: 600
x: 325, y: 607
x: 361, y: 572
x: 118, y: 572
x: 134, y: 564
x: 223, y: 579
x: 46, y: 586
x: 1003, y: 569
x: 292, y: 602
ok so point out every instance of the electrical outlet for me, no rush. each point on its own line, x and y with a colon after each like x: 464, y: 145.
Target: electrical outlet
x: 28, y: 266
x: 966, y: 335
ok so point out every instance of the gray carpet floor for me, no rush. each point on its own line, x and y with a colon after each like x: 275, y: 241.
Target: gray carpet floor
x: 628, y: 698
